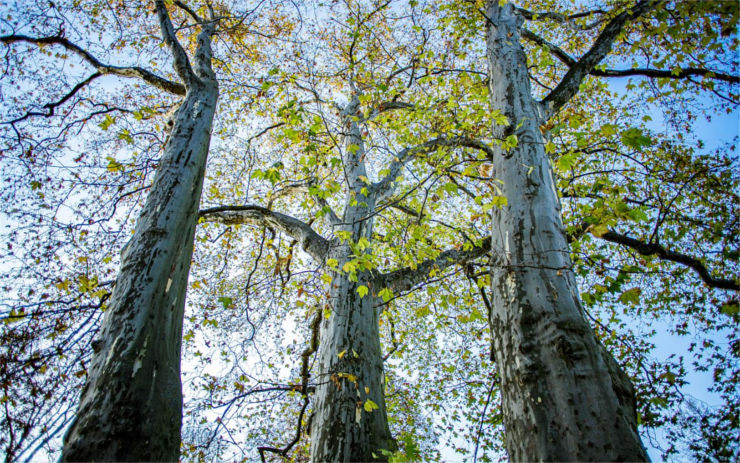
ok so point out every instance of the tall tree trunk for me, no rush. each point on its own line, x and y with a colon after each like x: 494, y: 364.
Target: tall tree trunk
x: 564, y: 397
x: 346, y: 425
x: 131, y: 405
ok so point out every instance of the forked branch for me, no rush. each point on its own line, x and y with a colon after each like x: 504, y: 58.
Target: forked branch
x: 181, y: 61
x: 570, y: 84
x: 681, y: 73
x: 122, y: 71
x: 383, y: 187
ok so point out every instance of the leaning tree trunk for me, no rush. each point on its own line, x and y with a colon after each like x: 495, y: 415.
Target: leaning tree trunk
x: 349, y: 420
x: 131, y: 405
x: 564, y: 397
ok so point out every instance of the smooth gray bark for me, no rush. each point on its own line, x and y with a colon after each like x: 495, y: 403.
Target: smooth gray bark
x: 131, y: 405
x: 564, y: 397
x: 350, y: 368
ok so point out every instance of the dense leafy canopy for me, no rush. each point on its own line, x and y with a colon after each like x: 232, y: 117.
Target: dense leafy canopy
x: 649, y: 192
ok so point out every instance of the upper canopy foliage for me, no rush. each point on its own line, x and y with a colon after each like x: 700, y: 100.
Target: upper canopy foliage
x: 649, y: 188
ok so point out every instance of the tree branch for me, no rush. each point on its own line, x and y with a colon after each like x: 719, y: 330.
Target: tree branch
x: 189, y: 11
x: 304, y: 187
x: 132, y: 71
x: 311, y: 242
x: 181, y: 61
x: 563, y: 19
x: 654, y: 249
x: 677, y: 74
x: 568, y: 87
x: 383, y: 187
x: 386, y: 106
x: 554, y: 49
x: 406, y: 278
x: 648, y: 72
x: 50, y: 107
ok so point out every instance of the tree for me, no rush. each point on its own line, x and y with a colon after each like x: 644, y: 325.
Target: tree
x: 564, y: 397
x: 366, y: 334
x: 131, y: 405
x: 132, y: 401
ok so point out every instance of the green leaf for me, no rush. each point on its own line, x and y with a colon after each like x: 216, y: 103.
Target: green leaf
x: 634, y: 138
x: 125, y: 135
x: 369, y: 406
x: 225, y: 301
x: 631, y: 296
x: 107, y: 122
x: 730, y: 309
x: 362, y: 291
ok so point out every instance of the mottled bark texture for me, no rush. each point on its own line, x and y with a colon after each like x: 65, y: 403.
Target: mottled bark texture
x: 131, y: 405
x: 564, y: 397
x: 350, y: 369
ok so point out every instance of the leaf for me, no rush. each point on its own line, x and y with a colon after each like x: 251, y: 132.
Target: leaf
x: 634, y: 138
x: 566, y: 161
x: 125, y: 135
x: 362, y: 290
x: 386, y: 294
x: 599, y: 229
x: 730, y: 309
x: 107, y: 122
x: 225, y: 301
x: 14, y: 317
x: 113, y: 164
x: 369, y: 406
x: 631, y: 296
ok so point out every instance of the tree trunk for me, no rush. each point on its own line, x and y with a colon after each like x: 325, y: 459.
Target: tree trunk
x: 564, y: 397
x: 349, y: 416
x: 131, y: 405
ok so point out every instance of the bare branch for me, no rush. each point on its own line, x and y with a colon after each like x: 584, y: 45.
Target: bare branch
x: 654, y: 249
x: 310, y: 241
x: 568, y: 87
x: 303, y: 187
x: 554, y: 49
x: 122, y: 71
x: 50, y: 107
x: 387, y: 106
x: 674, y: 74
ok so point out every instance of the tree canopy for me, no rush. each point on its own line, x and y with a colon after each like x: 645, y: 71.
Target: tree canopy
x: 355, y: 141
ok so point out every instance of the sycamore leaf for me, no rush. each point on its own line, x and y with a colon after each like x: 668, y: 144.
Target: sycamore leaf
x: 634, y: 138
x: 370, y: 406
x: 631, y: 296
x: 386, y: 294
x: 362, y: 290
